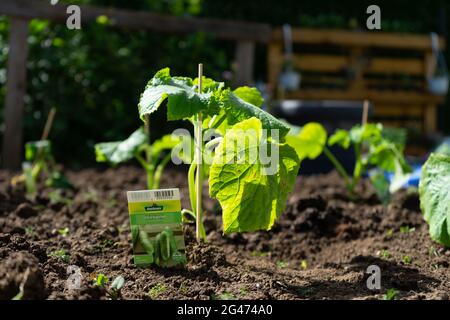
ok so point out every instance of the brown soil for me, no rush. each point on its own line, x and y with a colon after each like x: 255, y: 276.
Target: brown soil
x: 319, y: 249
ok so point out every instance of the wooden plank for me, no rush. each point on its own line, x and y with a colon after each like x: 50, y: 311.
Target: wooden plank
x: 223, y: 29
x: 245, y: 52
x: 275, y: 63
x: 396, y: 66
x: 339, y: 63
x: 430, y: 118
x: 360, y: 39
x: 321, y: 62
x: 15, y: 92
x: 376, y: 96
x: 412, y: 111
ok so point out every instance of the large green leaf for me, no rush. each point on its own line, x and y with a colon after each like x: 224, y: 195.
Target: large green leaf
x: 250, y: 95
x: 120, y: 151
x: 183, y: 100
x: 251, y: 198
x: 435, y: 197
x: 309, y: 142
x: 238, y: 110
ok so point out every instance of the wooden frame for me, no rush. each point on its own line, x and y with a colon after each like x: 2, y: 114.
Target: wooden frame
x: 358, y: 68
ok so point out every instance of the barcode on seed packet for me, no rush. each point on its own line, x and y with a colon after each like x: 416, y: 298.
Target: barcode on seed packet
x: 153, y: 195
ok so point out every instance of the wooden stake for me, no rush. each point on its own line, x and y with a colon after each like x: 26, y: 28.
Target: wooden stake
x: 365, y: 114
x: 48, y: 124
x: 198, y: 151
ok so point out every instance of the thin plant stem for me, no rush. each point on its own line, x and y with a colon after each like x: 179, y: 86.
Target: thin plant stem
x: 339, y: 167
x: 199, y: 152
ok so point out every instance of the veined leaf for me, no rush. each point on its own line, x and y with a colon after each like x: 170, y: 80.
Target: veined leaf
x: 251, y: 199
x: 435, y: 197
x: 120, y: 151
x: 388, y: 157
x: 238, y: 110
x: 250, y: 95
x: 359, y: 134
x: 183, y: 100
x: 309, y: 142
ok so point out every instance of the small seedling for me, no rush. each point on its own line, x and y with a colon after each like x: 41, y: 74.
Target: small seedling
x: 29, y: 231
x: 156, y: 291
x: 64, y: 231
x: 223, y: 296
x: 432, y: 251
x: 60, y: 254
x: 282, y: 264
x: 406, y: 229
x: 390, y: 233
x: 304, y: 264
x: 384, y: 254
x: 258, y: 254
x: 101, y: 280
x: 406, y: 259
x: 243, y: 292
x: 391, y: 294
x: 114, y: 291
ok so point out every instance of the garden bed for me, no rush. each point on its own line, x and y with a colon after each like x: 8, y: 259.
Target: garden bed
x: 318, y: 249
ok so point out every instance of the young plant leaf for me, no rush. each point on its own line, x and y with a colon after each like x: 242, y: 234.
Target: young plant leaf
x: 435, y: 197
x: 251, y: 197
x: 309, y: 142
x: 340, y: 137
x: 35, y: 150
x: 238, y: 110
x: 250, y: 95
x: 183, y: 100
x: 120, y: 151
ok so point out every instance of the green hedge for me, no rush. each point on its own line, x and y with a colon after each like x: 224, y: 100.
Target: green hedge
x: 94, y: 76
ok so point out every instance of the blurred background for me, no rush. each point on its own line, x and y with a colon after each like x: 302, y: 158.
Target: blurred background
x: 94, y: 76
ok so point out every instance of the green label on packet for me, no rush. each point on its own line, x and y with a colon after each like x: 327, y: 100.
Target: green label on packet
x: 156, y: 227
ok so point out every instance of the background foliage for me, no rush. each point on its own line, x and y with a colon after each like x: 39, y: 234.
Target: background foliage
x: 95, y: 76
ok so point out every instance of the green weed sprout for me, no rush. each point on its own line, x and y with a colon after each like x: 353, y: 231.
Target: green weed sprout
x: 115, y: 289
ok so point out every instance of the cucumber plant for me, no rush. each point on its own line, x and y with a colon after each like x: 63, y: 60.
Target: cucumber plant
x: 372, y: 150
x: 150, y: 156
x: 251, y: 192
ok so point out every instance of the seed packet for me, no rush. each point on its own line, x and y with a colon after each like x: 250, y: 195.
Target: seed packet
x: 156, y: 227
